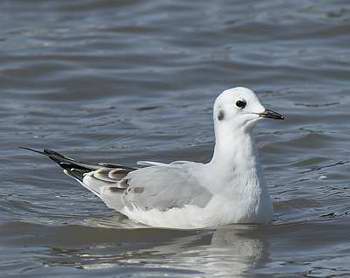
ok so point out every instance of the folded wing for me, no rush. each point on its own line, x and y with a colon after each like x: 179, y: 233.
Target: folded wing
x: 163, y: 188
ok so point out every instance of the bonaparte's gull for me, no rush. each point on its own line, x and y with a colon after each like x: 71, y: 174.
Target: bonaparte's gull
x: 183, y: 194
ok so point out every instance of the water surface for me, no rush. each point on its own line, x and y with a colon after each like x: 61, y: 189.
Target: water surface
x: 121, y: 81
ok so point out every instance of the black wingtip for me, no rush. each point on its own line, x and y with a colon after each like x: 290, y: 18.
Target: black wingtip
x: 32, y: 150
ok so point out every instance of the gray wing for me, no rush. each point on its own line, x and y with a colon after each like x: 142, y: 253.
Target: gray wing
x: 163, y: 188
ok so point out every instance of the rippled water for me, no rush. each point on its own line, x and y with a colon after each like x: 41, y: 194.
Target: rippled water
x: 120, y: 81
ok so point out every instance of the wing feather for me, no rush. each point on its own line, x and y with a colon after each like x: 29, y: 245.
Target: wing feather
x: 164, y: 187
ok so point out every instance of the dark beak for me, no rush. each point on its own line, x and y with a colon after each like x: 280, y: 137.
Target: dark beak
x: 271, y: 114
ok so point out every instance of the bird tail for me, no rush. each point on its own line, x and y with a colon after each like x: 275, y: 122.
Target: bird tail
x: 72, y: 168
x: 94, y: 177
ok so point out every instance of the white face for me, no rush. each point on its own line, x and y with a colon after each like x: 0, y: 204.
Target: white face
x: 240, y: 108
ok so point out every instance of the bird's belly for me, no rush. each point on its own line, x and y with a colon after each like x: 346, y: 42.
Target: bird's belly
x: 187, y: 217
x: 219, y: 211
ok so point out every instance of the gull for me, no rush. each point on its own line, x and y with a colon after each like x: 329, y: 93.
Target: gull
x: 228, y: 189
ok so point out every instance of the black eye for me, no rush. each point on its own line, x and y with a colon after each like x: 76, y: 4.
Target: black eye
x: 241, y: 103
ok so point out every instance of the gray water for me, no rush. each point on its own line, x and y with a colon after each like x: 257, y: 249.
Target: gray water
x: 121, y: 81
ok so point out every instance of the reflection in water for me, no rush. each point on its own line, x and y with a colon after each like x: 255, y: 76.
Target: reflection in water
x: 241, y: 248
x: 116, y: 221
x: 227, y: 251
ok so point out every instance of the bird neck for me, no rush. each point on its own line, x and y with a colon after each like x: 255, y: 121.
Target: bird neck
x: 235, y: 154
x: 238, y: 176
x: 235, y: 161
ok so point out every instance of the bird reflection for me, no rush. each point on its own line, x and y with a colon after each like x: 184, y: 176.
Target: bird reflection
x: 232, y: 250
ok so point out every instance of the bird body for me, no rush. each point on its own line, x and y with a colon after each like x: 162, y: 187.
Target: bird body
x: 228, y: 189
